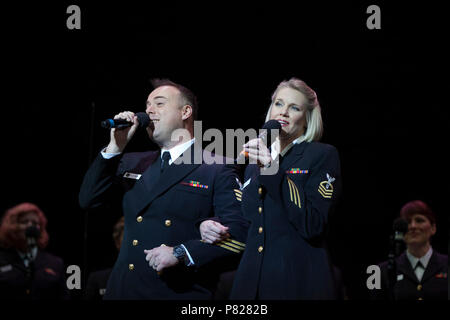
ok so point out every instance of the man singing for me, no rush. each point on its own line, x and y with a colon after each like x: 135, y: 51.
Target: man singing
x: 162, y: 255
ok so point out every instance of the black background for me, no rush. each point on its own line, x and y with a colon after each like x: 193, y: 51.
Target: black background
x: 380, y: 92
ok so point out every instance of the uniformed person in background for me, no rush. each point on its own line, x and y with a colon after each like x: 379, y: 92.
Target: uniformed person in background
x: 162, y: 255
x: 421, y: 271
x: 96, y: 284
x: 285, y: 255
x: 27, y: 271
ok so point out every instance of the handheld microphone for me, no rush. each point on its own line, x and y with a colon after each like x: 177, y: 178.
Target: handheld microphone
x: 264, y: 136
x: 143, y: 120
x: 400, y: 227
x: 396, y: 244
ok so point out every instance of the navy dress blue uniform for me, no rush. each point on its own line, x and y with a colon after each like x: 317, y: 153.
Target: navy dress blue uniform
x: 285, y: 255
x: 96, y: 284
x: 432, y: 286
x: 48, y: 280
x: 165, y: 209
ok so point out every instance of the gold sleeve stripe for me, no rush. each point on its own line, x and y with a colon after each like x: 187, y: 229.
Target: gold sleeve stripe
x: 290, y: 188
x: 228, y: 248
x: 232, y: 245
x: 295, y: 196
x: 298, y: 195
x: 229, y: 244
x: 237, y: 191
x: 237, y: 242
x: 292, y: 191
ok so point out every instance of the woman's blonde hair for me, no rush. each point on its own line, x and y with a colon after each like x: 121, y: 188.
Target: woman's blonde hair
x: 314, y: 125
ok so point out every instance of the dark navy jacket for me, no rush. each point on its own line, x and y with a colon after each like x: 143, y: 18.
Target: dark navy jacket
x: 285, y: 256
x: 166, y: 210
x: 96, y: 284
x: 433, y: 285
x: 48, y: 280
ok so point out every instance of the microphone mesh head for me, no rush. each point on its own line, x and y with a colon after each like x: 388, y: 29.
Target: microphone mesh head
x: 144, y: 119
x: 32, y: 232
x: 400, y: 225
x: 272, y: 124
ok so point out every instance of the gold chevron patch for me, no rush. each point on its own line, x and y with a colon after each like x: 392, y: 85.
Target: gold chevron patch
x: 232, y: 245
x: 238, y: 194
x: 326, y: 189
x: 293, y: 192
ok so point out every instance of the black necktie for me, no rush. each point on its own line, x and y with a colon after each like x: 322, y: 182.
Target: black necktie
x: 165, y: 160
x: 419, y: 264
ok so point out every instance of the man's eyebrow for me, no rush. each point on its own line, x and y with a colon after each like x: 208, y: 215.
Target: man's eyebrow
x: 157, y: 97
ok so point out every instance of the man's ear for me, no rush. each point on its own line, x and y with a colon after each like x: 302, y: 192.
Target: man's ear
x: 186, y: 112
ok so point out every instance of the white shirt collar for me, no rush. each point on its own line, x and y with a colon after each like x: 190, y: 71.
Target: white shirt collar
x: 178, y: 150
x: 25, y: 258
x: 276, y: 145
x: 424, y: 260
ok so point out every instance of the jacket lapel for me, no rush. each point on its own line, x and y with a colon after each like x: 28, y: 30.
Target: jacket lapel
x: 404, y: 267
x: 433, y: 267
x: 153, y: 183
x: 293, y: 155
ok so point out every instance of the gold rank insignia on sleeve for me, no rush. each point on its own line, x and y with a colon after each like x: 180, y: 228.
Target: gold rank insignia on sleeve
x: 238, y: 194
x: 232, y: 245
x: 293, y: 192
x: 326, y: 187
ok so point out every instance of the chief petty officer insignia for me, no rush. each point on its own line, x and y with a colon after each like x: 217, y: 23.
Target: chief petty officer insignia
x: 326, y: 187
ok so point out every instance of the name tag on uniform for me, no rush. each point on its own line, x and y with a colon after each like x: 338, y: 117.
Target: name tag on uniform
x: 131, y: 175
x: 6, y: 268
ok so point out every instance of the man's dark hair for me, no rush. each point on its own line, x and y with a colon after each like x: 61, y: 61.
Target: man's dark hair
x: 187, y: 95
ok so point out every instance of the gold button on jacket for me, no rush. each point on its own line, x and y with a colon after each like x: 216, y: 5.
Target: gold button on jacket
x: 131, y: 266
x: 139, y: 219
x: 260, y: 249
x: 168, y: 223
